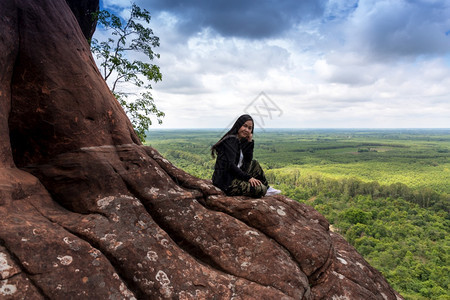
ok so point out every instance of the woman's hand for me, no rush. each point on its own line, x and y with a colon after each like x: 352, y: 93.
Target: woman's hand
x: 250, y: 137
x: 254, y: 182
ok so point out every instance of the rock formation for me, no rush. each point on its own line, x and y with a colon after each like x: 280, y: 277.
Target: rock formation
x: 87, y: 212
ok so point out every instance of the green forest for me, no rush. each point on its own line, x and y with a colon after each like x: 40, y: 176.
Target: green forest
x: 386, y: 191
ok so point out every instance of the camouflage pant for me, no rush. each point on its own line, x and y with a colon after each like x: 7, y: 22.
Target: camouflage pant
x: 244, y: 188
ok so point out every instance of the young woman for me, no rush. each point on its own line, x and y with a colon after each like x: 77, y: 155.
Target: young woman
x: 236, y: 172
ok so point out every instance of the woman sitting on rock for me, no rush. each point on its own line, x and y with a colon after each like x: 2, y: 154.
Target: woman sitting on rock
x: 236, y: 172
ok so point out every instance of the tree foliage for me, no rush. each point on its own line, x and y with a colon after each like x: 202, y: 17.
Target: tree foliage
x: 130, y: 37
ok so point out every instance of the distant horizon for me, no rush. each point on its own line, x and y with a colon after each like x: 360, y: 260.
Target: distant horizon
x: 311, y: 128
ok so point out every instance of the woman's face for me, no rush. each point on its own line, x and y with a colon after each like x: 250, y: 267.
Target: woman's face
x: 246, y: 130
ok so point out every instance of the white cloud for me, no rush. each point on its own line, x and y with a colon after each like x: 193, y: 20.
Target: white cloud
x: 392, y: 28
x: 108, y: 4
x: 371, y: 64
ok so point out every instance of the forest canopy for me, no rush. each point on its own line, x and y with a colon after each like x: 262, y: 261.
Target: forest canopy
x: 385, y: 191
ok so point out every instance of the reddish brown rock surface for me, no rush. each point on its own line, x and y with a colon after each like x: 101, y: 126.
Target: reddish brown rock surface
x: 87, y: 212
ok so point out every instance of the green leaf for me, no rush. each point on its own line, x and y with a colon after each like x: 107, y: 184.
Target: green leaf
x: 130, y: 36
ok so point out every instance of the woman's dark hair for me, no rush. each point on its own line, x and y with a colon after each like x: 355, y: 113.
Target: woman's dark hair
x: 233, y: 131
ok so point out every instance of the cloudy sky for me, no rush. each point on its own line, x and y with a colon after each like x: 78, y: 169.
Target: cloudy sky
x: 301, y: 64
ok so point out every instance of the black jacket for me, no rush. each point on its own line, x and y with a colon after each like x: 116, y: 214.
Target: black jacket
x: 228, y: 153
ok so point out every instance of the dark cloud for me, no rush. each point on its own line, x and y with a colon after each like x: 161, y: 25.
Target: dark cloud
x: 403, y: 28
x: 240, y: 18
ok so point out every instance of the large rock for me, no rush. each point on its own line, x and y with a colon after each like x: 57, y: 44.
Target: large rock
x: 87, y: 212
x: 83, y: 11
